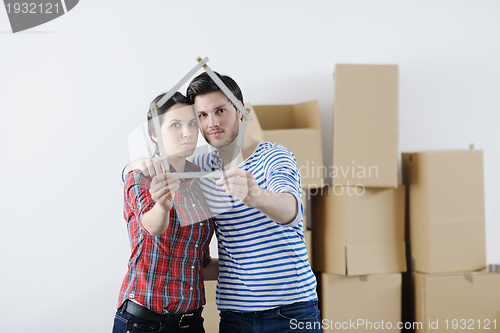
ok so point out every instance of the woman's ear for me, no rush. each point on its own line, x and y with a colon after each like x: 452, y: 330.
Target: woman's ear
x: 153, y: 137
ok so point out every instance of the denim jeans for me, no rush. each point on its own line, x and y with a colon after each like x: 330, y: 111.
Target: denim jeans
x: 126, y: 322
x: 301, y: 317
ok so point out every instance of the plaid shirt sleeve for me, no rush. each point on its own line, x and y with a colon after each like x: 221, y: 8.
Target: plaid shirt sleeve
x: 137, y: 191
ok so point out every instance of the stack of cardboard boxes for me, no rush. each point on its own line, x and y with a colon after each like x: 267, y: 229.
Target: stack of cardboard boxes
x: 355, y: 228
x: 447, y: 287
x: 358, y: 222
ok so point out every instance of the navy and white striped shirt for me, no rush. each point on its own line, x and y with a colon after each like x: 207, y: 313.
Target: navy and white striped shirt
x: 262, y: 264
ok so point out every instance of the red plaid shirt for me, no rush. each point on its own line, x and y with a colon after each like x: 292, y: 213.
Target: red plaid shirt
x: 166, y: 272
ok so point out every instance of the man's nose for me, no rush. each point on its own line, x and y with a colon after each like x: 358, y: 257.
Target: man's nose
x: 213, y: 121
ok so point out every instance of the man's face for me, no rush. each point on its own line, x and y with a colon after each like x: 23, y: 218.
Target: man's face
x: 219, y: 120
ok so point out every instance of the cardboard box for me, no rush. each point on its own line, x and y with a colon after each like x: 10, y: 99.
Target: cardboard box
x: 210, y: 312
x: 456, y: 302
x: 365, y: 125
x: 447, y: 218
x: 359, y: 234
x: 360, y: 303
x: 298, y: 128
x: 253, y: 126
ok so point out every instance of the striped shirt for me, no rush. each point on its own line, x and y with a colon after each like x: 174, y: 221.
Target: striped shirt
x: 262, y: 264
x: 165, y: 272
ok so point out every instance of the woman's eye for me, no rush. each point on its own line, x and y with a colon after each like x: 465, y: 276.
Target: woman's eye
x: 193, y: 124
x: 175, y: 125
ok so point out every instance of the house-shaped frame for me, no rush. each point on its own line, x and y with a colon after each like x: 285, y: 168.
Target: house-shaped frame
x: 202, y: 63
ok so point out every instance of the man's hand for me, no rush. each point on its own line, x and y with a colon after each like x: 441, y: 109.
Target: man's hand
x: 150, y: 167
x: 279, y: 207
x: 163, y: 189
x: 242, y: 185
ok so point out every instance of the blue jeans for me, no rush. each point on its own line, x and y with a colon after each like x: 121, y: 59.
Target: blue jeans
x: 301, y: 317
x: 126, y: 322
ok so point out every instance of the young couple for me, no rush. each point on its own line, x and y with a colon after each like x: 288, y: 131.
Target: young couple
x: 265, y: 282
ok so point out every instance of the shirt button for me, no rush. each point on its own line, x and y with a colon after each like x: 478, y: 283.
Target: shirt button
x: 192, y: 267
x: 191, y: 288
x: 193, y: 205
x: 131, y: 295
x: 195, y: 245
x: 201, y: 223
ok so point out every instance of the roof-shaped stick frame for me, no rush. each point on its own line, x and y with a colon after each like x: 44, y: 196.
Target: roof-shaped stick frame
x: 202, y: 63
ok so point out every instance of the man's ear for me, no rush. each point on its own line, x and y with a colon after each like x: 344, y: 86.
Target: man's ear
x: 240, y: 114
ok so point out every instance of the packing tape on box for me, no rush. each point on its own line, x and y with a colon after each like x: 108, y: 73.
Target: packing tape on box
x: 363, y: 278
x: 494, y: 268
x: 469, y: 277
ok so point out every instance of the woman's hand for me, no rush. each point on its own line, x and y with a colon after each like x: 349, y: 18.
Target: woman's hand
x: 163, y: 189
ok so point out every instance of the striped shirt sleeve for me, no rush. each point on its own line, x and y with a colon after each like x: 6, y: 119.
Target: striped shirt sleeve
x: 283, y: 177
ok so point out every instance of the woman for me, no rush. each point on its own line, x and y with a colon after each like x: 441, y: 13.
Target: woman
x: 170, y: 229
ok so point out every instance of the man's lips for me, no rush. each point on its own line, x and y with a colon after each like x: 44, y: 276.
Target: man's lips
x: 216, y: 134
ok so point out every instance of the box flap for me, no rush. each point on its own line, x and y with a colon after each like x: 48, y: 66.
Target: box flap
x: 273, y: 117
x: 302, y: 115
x: 307, y: 115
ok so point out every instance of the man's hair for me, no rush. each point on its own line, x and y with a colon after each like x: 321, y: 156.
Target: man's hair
x: 203, y: 84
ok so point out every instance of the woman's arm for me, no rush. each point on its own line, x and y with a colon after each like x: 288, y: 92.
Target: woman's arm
x: 163, y: 188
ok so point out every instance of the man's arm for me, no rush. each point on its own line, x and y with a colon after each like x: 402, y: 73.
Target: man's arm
x: 279, y: 207
x: 150, y: 167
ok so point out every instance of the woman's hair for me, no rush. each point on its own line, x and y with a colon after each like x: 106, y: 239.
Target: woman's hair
x: 177, y: 98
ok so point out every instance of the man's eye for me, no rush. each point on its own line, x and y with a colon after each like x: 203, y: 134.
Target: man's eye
x: 202, y: 115
x: 221, y: 110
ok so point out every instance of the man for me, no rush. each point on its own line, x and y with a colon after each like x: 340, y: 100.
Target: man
x: 265, y: 281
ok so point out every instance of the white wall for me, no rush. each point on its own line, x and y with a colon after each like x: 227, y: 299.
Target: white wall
x: 72, y: 90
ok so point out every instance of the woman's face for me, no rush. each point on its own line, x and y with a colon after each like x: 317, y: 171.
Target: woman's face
x: 179, y: 131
